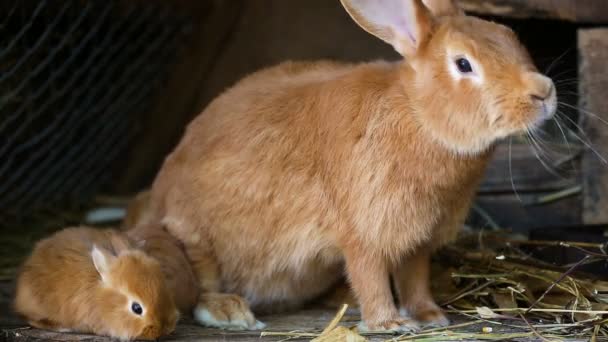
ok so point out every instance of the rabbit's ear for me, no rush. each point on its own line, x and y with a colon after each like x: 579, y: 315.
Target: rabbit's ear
x: 141, y: 244
x: 120, y: 244
x: 441, y: 8
x: 102, y: 259
x: 405, y: 24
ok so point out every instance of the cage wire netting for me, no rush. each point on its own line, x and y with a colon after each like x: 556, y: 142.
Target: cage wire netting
x: 75, y: 78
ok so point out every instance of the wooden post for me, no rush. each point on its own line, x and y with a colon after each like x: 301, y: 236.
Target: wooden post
x: 593, y: 90
x: 582, y: 11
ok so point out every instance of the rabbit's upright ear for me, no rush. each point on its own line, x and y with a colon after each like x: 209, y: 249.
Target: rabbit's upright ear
x: 405, y: 24
x: 102, y: 259
x: 441, y: 8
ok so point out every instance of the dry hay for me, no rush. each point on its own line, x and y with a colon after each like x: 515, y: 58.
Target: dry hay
x: 505, y: 294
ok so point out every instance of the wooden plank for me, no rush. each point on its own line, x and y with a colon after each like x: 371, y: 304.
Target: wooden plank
x: 520, y: 214
x: 581, y: 11
x: 298, y: 321
x: 593, y: 74
x: 307, y: 320
x: 520, y: 170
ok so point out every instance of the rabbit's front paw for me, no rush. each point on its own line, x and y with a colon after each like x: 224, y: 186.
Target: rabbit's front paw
x: 225, y: 311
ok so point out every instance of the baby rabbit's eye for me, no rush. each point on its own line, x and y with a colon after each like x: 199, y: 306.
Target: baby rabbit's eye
x: 463, y: 65
x: 136, y: 308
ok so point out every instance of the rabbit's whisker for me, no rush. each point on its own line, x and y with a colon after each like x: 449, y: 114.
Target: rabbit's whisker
x: 602, y: 159
x: 511, y: 170
x: 537, y: 142
x: 566, y: 140
x: 536, y: 149
x: 584, y: 111
x: 556, y: 61
x: 584, y: 141
x: 560, y: 116
x: 563, y: 73
x: 566, y: 81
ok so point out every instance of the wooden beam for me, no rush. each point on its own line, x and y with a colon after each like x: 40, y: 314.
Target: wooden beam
x: 520, y: 170
x: 593, y: 74
x: 582, y: 11
x: 515, y: 212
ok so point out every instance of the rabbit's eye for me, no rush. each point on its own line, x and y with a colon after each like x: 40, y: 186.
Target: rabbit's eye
x: 463, y: 65
x: 136, y: 308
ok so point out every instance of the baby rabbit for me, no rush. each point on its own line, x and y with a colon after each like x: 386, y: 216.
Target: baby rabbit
x: 308, y: 170
x: 92, y: 280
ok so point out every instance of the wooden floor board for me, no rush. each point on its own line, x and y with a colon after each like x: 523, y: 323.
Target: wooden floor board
x: 311, y: 320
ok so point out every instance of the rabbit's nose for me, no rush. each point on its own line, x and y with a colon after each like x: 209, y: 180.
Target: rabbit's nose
x: 544, y: 95
x: 540, y: 87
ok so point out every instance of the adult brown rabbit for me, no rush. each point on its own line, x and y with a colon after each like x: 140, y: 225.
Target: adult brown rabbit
x: 306, y: 171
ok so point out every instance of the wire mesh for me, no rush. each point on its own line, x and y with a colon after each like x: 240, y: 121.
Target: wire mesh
x: 75, y: 78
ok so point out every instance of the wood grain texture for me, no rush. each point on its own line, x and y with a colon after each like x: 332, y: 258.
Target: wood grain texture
x: 313, y: 320
x: 519, y: 214
x: 593, y: 74
x: 521, y: 171
x: 308, y: 320
x: 582, y: 11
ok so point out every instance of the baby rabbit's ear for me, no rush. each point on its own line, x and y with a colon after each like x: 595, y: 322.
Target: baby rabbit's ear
x: 141, y: 244
x: 405, y: 24
x: 102, y: 259
x: 441, y: 8
x: 120, y: 244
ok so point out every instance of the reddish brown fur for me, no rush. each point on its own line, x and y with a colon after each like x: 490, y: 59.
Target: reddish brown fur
x: 306, y: 169
x: 60, y: 288
x: 179, y: 277
x: 137, y: 210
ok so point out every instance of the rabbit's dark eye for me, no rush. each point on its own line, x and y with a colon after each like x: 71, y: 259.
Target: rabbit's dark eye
x: 463, y: 65
x: 136, y: 308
